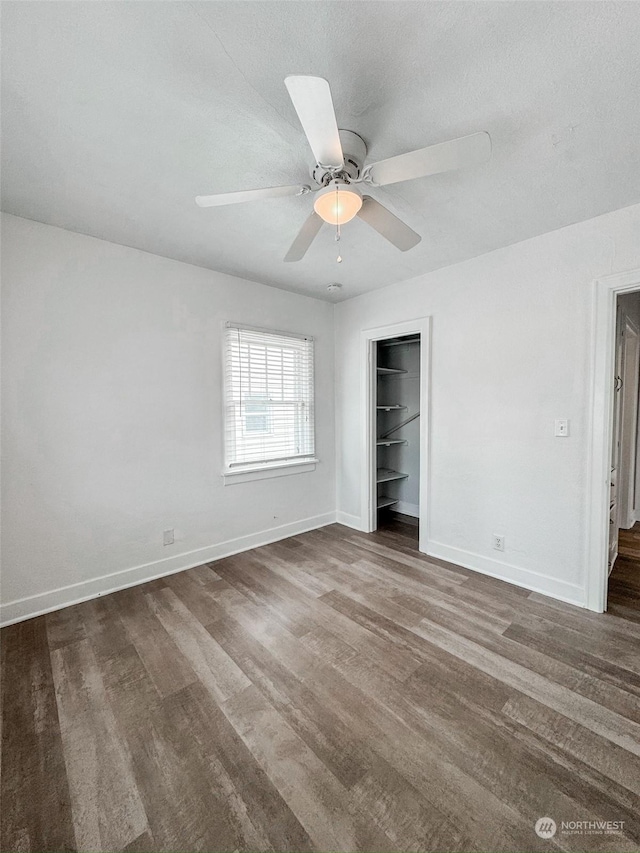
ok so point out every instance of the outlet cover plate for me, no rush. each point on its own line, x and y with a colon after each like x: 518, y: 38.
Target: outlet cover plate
x: 498, y: 542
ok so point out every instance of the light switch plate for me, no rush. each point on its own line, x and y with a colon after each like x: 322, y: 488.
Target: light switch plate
x: 562, y: 428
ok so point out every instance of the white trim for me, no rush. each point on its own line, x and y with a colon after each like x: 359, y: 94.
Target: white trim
x: 348, y: 520
x: 407, y: 509
x: 55, y: 599
x: 605, y: 292
x: 544, y: 584
x: 367, y: 395
x: 266, y: 472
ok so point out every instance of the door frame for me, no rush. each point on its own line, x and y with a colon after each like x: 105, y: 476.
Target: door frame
x: 603, y: 339
x: 368, y: 340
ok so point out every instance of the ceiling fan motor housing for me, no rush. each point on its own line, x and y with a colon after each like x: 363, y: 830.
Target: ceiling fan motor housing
x: 355, y: 152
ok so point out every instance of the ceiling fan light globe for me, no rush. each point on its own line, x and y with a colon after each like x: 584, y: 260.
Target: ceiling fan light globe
x: 337, y: 203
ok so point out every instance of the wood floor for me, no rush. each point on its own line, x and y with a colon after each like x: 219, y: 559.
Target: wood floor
x: 624, y: 583
x: 335, y: 691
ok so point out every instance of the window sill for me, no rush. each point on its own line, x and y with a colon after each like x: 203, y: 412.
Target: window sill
x: 266, y: 472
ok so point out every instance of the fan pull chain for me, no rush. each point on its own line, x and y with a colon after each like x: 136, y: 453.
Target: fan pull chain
x: 339, y: 258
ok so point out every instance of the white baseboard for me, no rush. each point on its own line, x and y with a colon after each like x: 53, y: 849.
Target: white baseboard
x: 348, y: 520
x: 407, y: 509
x: 56, y: 599
x: 544, y: 584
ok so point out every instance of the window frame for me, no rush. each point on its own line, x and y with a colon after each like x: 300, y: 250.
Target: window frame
x: 259, y: 470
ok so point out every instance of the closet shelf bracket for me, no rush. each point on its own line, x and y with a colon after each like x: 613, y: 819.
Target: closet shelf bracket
x: 400, y: 425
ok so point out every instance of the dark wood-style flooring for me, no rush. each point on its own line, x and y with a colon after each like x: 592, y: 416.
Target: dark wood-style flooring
x: 334, y: 691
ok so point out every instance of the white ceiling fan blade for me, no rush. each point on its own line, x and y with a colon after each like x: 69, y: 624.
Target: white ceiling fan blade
x: 305, y: 238
x: 387, y: 225
x: 311, y: 98
x: 443, y: 157
x: 249, y: 195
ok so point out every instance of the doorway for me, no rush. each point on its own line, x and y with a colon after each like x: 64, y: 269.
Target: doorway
x: 624, y: 440
x: 395, y: 417
x: 397, y: 414
x: 612, y: 430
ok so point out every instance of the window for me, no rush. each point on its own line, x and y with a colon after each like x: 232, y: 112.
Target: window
x: 269, y: 399
x: 256, y: 417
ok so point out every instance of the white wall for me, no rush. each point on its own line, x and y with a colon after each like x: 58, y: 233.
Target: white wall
x: 112, y: 417
x: 510, y: 354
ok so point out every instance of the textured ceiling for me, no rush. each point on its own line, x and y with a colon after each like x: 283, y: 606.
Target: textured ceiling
x: 116, y: 114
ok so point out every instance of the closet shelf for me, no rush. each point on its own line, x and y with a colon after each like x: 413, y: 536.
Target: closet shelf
x: 394, y: 408
x: 385, y: 442
x: 384, y: 475
x: 394, y: 342
x: 384, y: 501
x: 389, y: 370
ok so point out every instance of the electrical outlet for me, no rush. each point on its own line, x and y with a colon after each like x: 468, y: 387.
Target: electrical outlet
x: 167, y: 537
x: 498, y: 542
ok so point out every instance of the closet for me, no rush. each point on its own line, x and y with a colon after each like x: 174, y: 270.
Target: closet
x: 397, y: 419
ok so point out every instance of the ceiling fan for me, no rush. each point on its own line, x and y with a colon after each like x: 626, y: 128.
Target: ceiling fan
x: 339, y: 168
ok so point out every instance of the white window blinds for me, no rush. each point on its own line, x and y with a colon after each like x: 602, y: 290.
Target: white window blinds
x: 269, y: 397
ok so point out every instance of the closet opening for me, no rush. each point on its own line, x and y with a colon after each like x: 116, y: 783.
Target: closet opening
x: 395, y: 365
x: 397, y: 420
